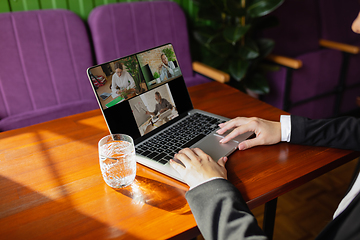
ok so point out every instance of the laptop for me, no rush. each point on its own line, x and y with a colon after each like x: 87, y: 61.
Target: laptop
x: 150, y: 102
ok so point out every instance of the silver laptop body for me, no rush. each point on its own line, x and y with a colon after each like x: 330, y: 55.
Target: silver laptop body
x: 150, y: 102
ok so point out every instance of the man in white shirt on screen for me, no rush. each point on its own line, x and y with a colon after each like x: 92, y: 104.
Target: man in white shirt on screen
x: 166, y: 68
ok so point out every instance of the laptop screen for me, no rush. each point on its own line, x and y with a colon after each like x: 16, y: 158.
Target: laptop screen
x: 141, y: 93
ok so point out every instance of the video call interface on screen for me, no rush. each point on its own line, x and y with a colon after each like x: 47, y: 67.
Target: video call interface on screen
x: 142, y: 82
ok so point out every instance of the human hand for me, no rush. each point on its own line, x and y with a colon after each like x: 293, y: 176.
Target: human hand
x: 164, y: 65
x: 267, y: 132
x: 198, y: 167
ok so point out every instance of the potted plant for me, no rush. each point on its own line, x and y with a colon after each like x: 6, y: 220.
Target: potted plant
x: 156, y: 77
x: 227, y: 30
x: 169, y: 53
x: 124, y: 94
x: 132, y: 67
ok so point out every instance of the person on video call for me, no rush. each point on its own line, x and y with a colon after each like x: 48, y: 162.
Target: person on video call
x: 166, y: 68
x: 218, y: 207
x: 161, y: 105
x: 121, y: 80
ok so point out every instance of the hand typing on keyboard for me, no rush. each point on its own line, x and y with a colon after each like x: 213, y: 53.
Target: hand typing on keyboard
x: 197, y: 167
x: 267, y: 132
x: 184, y: 134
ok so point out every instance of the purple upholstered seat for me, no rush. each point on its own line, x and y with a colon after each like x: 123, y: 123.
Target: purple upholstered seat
x: 43, y: 62
x: 298, y: 36
x: 336, y: 21
x: 122, y: 29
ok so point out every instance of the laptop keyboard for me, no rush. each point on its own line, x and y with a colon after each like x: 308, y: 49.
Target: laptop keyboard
x: 192, y: 129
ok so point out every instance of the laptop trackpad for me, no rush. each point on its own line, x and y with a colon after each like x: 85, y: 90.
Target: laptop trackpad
x: 211, y: 146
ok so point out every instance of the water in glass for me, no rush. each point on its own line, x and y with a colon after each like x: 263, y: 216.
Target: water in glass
x: 117, y: 163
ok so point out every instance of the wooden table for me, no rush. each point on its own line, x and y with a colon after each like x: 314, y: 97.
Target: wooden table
x: 51, y: 186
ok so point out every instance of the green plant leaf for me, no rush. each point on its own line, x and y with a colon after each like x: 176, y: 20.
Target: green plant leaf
x: 208, y: 12
x: 198, y: 2
x: 233, y: 33
x: 258, y: 84
x: 210, y: 58
x: 156, y: 75
x: 249, y: 51
x: 222, y: 49
x: 219, y: 4
x: 215, y: 62
x: 169, y: 53
x: 266, y: 67
x: 266, y: 46
x: 233, y: 8
x: 204, y: 34
x: 238, y: 69
x: 259, y: 8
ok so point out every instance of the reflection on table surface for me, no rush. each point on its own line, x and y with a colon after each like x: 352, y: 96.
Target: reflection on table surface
x: 52, y: 185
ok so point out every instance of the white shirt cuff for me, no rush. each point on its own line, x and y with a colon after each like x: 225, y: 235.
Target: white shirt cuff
x: 285, y: 121
x: 210, y: 179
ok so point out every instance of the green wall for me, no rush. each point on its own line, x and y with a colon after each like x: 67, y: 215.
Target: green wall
x: 84, y: 7
x: 80, y: 7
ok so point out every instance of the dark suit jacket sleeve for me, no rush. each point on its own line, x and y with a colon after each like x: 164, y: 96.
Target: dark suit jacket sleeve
x: 221, y: 212
x: 343, y: 132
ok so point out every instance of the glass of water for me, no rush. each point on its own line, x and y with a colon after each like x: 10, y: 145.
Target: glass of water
x: 117, y: 160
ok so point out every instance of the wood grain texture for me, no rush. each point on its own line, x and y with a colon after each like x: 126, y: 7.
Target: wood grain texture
x: 339, y: 46
x: 51, y: 185
x: 285, y: 61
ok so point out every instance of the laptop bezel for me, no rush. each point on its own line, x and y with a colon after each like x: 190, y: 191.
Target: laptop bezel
x: 111, y: 114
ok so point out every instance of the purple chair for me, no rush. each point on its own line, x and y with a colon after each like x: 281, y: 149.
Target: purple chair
x: 122, y: 29
x: 309, y: 90
x: 336, y: 19
x: 44, y: 57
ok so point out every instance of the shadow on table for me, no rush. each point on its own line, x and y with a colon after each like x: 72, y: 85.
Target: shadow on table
x: 25, y: 213
x: 157, y: 194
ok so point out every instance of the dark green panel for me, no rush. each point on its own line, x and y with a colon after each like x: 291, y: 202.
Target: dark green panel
x: 17, y: 6
x: 104, y: 2
x: 54, y: 4
x: 190, y: 6
x: 32, y: 4
x: 81, y: 7
x: 24, y: 5
x: 4, y: 6
x: 187, y: 6
x: 177, y: 1
x: 47, y: 4
x: 194, y: 13
x: 75, y: 7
